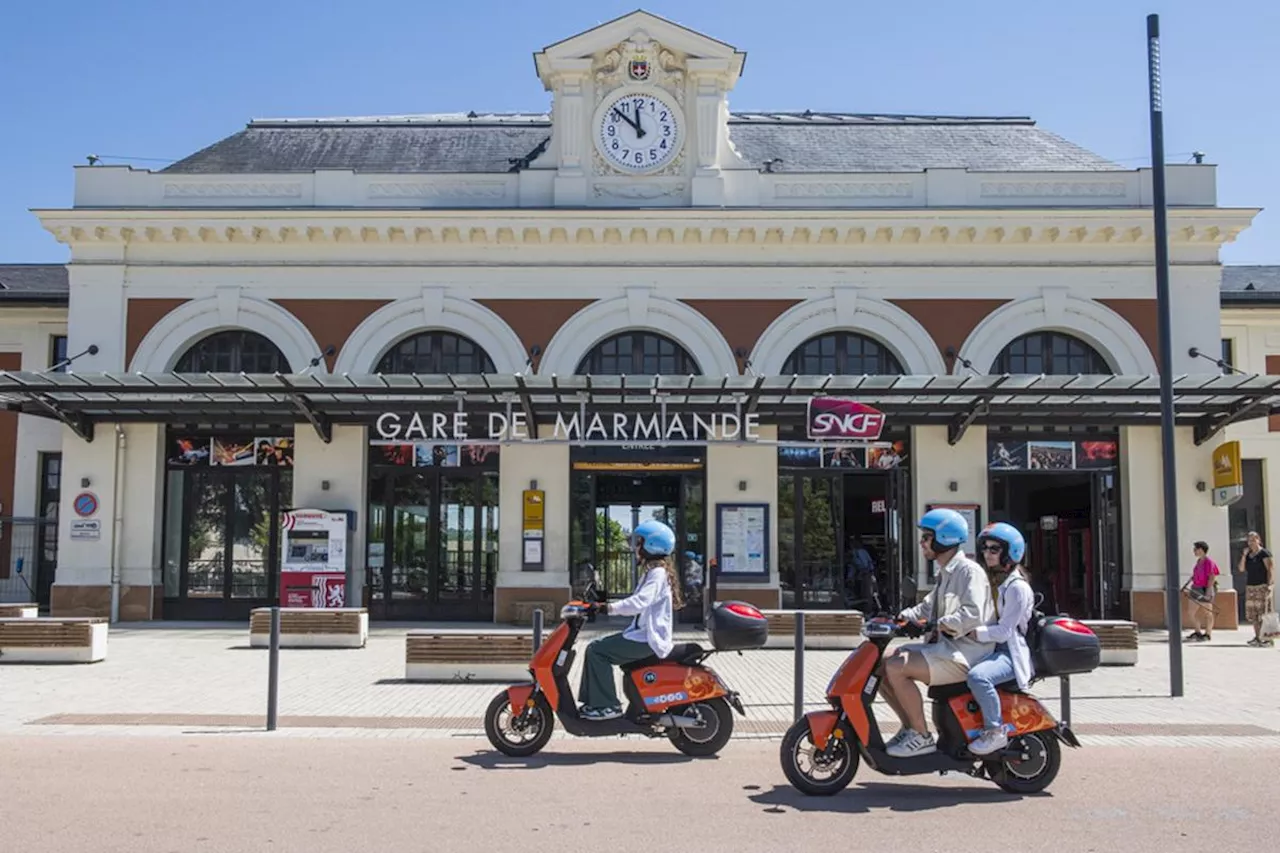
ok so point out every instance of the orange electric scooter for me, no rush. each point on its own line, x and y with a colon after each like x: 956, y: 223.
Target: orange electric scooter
x: 821, y: 751
x: 676, y: 696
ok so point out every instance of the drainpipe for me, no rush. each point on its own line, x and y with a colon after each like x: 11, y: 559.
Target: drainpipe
x: 116, y: 522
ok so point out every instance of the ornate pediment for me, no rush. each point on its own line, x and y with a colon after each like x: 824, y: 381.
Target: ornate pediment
x: 639, y: 59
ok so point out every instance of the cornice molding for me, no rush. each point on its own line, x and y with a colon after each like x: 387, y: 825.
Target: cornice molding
x: 676, y: 227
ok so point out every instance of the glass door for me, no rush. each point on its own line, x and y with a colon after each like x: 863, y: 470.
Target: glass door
x: 229, y: 540
x: 433, y: 544
x: 1106, y: 521
x: 820, y: 579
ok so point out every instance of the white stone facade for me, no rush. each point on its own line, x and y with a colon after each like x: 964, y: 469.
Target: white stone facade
x: 438, y: 249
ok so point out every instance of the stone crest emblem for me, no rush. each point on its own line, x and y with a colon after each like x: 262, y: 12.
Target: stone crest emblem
x: 639, y: 67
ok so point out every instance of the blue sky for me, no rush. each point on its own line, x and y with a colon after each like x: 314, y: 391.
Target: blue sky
x: 148, y: 79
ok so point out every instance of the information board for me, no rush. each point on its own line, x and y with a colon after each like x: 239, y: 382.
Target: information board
x: 742, y: 542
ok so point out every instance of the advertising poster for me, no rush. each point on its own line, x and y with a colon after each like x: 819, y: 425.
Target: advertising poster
x: 1011, y: 454
x: 742, y: 550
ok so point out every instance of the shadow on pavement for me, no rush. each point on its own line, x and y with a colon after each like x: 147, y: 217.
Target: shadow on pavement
x: 498, y: 761
x: 860, y: 799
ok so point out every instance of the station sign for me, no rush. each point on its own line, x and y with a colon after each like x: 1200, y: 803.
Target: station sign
x: 588, y: 425
x: 836, y: 417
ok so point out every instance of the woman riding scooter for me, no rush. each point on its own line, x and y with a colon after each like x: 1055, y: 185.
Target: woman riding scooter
x: 649, y: 633
x: 1002, y: 548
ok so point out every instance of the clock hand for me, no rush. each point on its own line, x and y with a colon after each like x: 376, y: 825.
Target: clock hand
x: 634, y: 123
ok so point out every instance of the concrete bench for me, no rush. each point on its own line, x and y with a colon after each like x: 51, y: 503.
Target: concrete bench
x: 48, y: 640
x: 19, y: 611
x: 823, y: 629
x: 1118, y: 638
x: 434, y: 656
x: 311, y: 628
x: 523, y: 612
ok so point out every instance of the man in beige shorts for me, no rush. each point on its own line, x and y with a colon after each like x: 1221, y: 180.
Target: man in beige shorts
x: 958, y: 603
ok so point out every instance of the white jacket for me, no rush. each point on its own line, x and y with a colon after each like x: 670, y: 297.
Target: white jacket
x: 651, y: 605
x: 959, y: 603
x: 1016, y: 603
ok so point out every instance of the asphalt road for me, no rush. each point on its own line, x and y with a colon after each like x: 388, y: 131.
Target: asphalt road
x: 222, y: 792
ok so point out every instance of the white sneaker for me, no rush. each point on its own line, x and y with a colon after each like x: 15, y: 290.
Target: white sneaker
x: 991, y: 740
x: 913, y: 744
x: 896, y: 739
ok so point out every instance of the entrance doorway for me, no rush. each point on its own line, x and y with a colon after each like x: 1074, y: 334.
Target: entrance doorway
x: 433, y: 543
x: 222, y: 549
x: 825, y: 519
x: 611, y: 496
x: 1070, y: 522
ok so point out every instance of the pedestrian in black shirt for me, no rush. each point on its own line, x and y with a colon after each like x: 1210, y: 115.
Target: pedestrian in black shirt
x: 1259, y: 570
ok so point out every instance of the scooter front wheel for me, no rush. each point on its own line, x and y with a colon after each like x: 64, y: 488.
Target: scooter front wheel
x: 717, y: 728
x: 809, y: 770
x: 522, y: 736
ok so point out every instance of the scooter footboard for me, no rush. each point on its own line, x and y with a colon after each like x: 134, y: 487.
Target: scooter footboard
x: 519, y: 695
x: 821, y: 725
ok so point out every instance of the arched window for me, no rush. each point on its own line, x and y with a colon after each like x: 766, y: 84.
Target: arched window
x: 1050, y: 353
x: 436, y: 352
x: 841, y: 354
x: 638, y: 354
x: 234, y: 351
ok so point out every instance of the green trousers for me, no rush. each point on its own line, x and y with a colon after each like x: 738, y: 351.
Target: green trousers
x: 597, y: 690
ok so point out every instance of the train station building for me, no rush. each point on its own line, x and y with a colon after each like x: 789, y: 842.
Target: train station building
x: 492, y: 343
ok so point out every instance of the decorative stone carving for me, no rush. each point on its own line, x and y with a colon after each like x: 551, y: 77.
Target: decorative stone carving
x: 233, y: 189
x: 638, y: 190
x: 432, y: 189
x: 662, y: 67
x: 1053, y: 189
x: 844, y: 189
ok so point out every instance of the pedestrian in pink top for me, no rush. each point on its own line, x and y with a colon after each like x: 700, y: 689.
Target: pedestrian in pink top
x: 1204, y: 589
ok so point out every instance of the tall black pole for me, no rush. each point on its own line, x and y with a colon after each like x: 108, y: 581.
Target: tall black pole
x: 1172, y: 599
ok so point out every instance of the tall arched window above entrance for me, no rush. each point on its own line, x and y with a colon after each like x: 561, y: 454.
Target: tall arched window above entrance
x: 638, y: 354
x: 436, y: 352
x: 842, y: 354
x: 234, y: 351
x: 1050, y: 353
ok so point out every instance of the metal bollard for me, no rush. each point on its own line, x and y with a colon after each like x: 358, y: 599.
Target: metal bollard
x: 799, y: 697
x: 1064, y: 699
x: 273, y: 670
x: 537, y: 629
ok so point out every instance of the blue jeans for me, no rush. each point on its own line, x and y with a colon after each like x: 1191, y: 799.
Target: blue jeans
x: 996, y: 668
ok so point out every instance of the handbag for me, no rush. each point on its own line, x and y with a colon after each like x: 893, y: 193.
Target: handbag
x: 1271, y: 626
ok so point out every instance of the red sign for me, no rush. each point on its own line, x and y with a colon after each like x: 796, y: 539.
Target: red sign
x: 833, y: 417
x: 312, y: 589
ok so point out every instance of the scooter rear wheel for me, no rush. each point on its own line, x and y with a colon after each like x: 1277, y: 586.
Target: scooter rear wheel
x: 1033, y: 775
x: 718, y: 719
x: 824, y: 776
x: 518, y: 739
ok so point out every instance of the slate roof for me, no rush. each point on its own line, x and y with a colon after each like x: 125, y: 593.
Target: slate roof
x: 1250, y: 285
x: 804, y: 142
x: 34, y: 283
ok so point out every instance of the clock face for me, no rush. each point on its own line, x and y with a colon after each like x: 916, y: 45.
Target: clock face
x: 639, y: 132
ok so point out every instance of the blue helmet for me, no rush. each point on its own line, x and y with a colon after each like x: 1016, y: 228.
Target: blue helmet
x: 1009, y: 536
x: 656, y: 538
x: 948, y: 527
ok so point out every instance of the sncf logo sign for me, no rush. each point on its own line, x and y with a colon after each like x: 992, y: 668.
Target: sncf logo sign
x: 832, y: 417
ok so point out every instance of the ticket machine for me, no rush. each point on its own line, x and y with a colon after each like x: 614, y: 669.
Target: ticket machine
x: 315, y: 561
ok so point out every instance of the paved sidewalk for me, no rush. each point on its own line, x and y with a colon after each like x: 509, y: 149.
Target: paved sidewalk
x: 159, y: 678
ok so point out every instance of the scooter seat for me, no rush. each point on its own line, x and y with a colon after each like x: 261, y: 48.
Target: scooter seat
x: 682, y: 653
x: 960, y: 688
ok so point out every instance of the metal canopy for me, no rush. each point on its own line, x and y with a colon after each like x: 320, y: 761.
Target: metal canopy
x: 1209, y: 402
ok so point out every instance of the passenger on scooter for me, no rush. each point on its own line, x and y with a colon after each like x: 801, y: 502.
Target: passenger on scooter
x: 959, y: 602
x: 649, y: 633
x: 1002, y: 548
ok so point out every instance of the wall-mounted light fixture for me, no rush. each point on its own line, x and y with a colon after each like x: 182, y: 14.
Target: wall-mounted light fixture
x: 953, y: 486
x: 324, y: 485
x: 1200, y: 485
x: 742, y: 485
x: 84, y: 482
x: 533, y: 485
